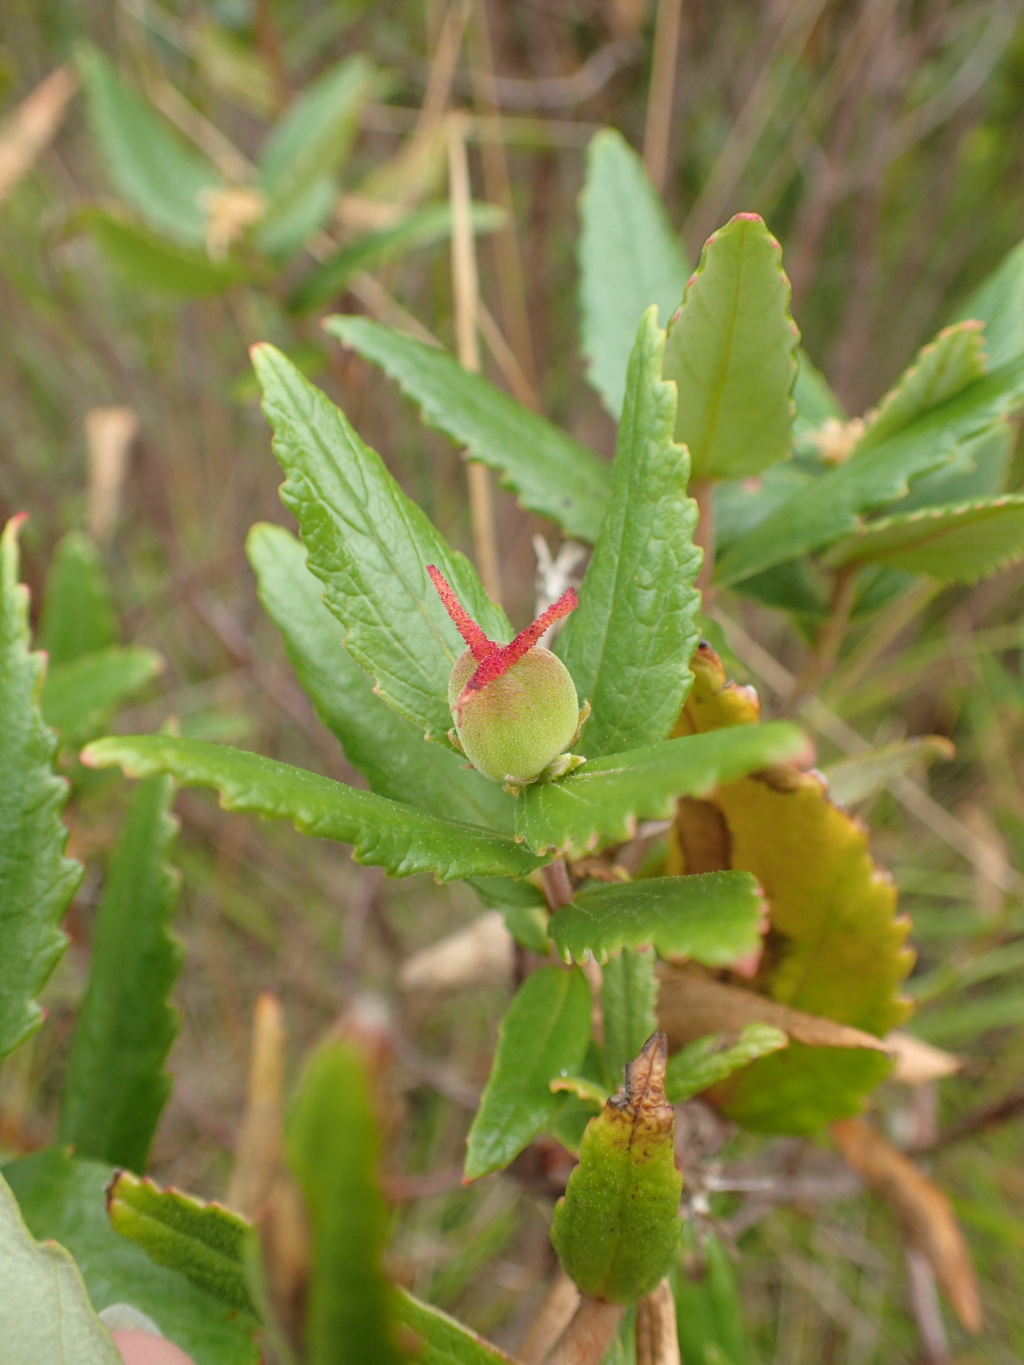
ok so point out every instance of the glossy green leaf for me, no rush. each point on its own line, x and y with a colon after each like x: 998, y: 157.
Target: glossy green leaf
x: 941, y: 370
x: 370, y: 547
x: 333, y: 1149
x: 36, y: 880
x: 153, y: 262
x: 64, y: 1198
x: 629, y: 996
x: 616, y: 1230
x: 116, y: 1086
x: 959, y: 543
x: 608, y: 796
x: 998, y: 302
x: 78, y: 614
x: 544, y: 1033
x: 390, y: 753
x: 443, y: 1341
x: 45, y: 1313
x: 80, y: 697
x: 630, y: 256
x: 731, y: 354
x: 708, y: 1060
x: 549, y: 472
x: 636, y: 622
x: 423, y: 227
x: 830, y: 507
x: 387, y: 834
x: 151, y: 168
x: 801, y: 1089
x: 715, y: 918
x: 205, y: 1242
x: 313, y: 136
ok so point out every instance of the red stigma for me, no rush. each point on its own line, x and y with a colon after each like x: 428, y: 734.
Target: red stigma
x: 495, y: 660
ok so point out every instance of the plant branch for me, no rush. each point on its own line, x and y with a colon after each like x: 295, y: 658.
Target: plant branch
x: 589, y: 1334
x: 557, y: 886
x: 555, y: 1314
x: 830, y: 637
x: 702, y: 492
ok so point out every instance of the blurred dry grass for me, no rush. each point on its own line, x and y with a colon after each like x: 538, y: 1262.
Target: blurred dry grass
x: 881, y: 142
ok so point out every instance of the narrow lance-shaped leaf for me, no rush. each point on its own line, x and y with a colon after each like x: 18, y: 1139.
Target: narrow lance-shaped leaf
x: 608, y: 796
x: 617, y: 1228
x: 731, y: 354
x: 714, y: 917
x: 45, y: 1314
x: 149, y: 260
x: 629, y: 257
x: 205, y: 1242
x: 958, y: 543
x: 80, y: 697
x: 388, y: 834
x: 829, y: 508
x: 443, y: 1341
x: 390, y: 752
x: 313, y: 136
x: 941, y: 370
x: 78, y: 615
x: 370, y: 547
x: 116, y: 1085
x: 152, y: 169
x: 627, y: 644
x: 333, y: 1147
x: 36, y: 880
x: 548, y: 471
x: 629, y: 995
x: 544, y: 1033
x: 64, y: 1198
x: 998, y: 302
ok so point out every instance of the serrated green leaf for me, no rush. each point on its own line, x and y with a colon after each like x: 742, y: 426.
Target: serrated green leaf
x: 390, y: 753
x: 154, y: 262
x: 79, y: 698
x: 333, y: 1148
x: 959, y: 543
x: 940, y: 370
x: 629, y: 257
x: 205, y: 1242
x: 545, y: 1032
x: 442, y: 1340
x: 549, y: 472
x: 998, y: 302
x: 36, y: 880
x: 829, y: 508
x: 370, y: 546
x: 978, y: 470
x: 606, y: 797
x: 116, y: 1086
x: 45, y: 1314
x: 617, y: 1228
x: 151, y: 168
x: 313, y: 136
x: 731, y: 354
x: 388, y: 834
x: 708, y: 1060
x: 64, y: 1198
x: 629, y: 996
x: 715, y: 918
x: 422, y: 227
x: 636, y: 623
x: 78, y: 614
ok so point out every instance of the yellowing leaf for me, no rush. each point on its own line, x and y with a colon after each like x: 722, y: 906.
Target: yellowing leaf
x: 836, y: 944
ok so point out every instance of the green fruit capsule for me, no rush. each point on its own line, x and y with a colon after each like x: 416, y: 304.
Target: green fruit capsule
x: 616, y: 1230
x: 515, y: 706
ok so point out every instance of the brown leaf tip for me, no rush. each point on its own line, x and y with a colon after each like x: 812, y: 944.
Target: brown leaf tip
x: 642, y: 1096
